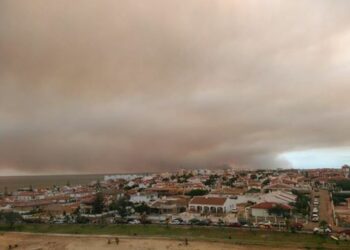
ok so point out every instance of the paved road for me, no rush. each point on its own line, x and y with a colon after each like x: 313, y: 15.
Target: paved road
x: 325, y: 209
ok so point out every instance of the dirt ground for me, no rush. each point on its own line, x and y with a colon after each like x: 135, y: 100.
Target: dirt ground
x: 56, y: 242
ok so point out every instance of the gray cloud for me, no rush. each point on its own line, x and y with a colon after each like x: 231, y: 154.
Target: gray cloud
x: 115, y: 86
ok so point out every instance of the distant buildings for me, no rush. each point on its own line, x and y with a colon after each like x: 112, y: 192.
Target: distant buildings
x: 126, y: 177
x: 346, y: 171
x: 216, y: 195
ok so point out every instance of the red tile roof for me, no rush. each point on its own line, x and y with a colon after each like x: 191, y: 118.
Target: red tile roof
x: 201, y: 200
x: 269, y: 205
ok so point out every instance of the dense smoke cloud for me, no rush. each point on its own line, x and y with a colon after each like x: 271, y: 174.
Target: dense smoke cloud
x: 120, y: 86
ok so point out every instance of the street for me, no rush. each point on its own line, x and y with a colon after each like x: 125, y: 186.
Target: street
x: 325, y: 209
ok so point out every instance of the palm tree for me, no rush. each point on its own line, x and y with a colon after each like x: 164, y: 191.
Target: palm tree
x: 143, y: 218
x: 167, y: 221
x: 287, y: 224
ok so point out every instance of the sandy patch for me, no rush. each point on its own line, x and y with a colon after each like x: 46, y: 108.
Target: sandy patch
x: 50, y: 242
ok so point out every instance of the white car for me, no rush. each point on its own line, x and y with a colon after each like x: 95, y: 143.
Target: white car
x: 315, y: 219
x: 175, y: 222
x: 134, y: 222
x: 319, y: 230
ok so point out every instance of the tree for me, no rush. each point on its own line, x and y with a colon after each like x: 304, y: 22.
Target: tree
x: 253, y: 190
x: 121, y: 207
x: 339, y: 197
x: 279, y: 211
x: 67, y: 218
x: 253, y: 176
x: 301, y: 204
x: 343, y: 184
x: 11, y: 218
x: 98, y: 205
x: 211, y: 181
x: 266, y: 182
x: 143, y: 218
x: 142, y: 208
x: 197, y: 192
x: 287, y: 224
x: 81, y: 220
x: 77, y: 211
x: 184, y: 178
x: 230, y: 182
x: 98, y: 186
x: 167, y: 221
x: 113, y: 205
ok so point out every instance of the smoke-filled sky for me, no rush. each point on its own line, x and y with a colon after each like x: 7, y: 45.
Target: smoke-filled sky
x: 156, y: 85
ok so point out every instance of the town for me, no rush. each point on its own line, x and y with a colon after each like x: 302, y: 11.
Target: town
x: 315, y: 200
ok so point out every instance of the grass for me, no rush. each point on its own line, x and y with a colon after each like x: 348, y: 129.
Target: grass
x: 242, y: 237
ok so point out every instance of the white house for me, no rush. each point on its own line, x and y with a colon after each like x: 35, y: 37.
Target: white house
x: 209, y: 204
x: 278, y: 197
x: 145, y: 197
x: 262, y: 209
x: 25, y: 196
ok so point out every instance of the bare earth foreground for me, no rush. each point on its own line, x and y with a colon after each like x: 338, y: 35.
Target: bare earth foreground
x: 58, y: 242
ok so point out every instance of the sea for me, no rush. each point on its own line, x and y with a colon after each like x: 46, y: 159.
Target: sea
x: 12, y: 183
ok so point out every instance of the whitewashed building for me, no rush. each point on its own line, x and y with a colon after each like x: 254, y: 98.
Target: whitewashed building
x: 262, y: 209
x: 145, y: 197
x: 212, y: 205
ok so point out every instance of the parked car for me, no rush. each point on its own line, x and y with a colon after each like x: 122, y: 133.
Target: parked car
x: 235, y: 224
x: 315, y: 219
x: 265, y: 225
x: 262, y: 226
x: 120, y: 221
x: 297, y: 226
x: 194, y: 221
x: 176, y: 222
x: 204, y: 223
x: 134, y: 222
x: 320, y: 230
